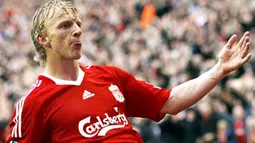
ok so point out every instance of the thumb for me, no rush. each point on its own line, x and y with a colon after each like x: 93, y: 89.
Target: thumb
x: 231, y: 41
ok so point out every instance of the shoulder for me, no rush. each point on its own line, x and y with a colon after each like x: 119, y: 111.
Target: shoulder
x: 29, y: 110
x: 37, y: 93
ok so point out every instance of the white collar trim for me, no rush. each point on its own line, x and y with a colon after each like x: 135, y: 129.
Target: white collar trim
x: 67, y: 82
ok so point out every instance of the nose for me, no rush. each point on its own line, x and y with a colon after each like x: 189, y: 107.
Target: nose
x: 77, y: 31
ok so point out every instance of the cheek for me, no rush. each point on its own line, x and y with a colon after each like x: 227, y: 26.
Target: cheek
x: 61, y: 37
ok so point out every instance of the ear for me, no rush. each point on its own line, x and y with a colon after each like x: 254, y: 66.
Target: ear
x: 44, y: 40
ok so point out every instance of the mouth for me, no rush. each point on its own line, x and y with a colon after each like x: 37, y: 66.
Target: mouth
x: 77, y: 43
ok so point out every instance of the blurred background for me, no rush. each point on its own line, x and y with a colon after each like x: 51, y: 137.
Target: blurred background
x: 164, y: 42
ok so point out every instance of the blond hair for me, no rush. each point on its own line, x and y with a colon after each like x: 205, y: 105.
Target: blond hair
x: 41, y: 15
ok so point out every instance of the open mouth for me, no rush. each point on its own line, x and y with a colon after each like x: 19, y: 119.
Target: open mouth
x: 77, y: 44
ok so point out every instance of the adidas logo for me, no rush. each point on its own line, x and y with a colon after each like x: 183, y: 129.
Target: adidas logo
x: 87, y: 95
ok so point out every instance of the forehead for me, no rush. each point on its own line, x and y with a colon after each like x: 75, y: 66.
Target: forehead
x: 57, y: 14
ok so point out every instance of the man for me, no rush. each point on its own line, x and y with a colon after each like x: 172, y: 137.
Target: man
x: 72, y: 103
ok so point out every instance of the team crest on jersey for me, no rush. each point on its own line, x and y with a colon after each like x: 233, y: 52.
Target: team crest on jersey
x: 116, y: 93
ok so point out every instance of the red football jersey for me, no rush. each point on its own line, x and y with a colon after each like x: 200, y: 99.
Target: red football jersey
x: 94, y: 108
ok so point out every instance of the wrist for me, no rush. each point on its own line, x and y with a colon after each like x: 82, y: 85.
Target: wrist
x: 219, y: 71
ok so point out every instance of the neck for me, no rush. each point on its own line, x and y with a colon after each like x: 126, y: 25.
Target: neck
x: 65, y: 70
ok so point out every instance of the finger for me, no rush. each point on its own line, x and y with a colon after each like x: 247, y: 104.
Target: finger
x: 245, y: 50
x: 246, y: 59
x: 231, y: 41
x: 245, y: 42
x: 242, y: 40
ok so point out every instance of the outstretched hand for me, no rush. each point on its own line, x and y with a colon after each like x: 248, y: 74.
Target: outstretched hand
x: 235, y: 53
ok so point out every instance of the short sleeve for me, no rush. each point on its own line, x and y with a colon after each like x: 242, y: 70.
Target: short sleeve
x: 26, y: 124
x: 142, y: 99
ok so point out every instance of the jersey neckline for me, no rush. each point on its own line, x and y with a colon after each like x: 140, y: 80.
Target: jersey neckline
x: 57, y: 81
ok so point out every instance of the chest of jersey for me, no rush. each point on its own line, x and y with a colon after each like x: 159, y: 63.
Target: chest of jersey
x: 90, y: 110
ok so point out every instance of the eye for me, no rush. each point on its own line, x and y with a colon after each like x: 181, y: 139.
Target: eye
x: 65, y: 25
x: 79, y: 24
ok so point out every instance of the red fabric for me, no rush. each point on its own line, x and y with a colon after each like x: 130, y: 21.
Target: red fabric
x: 121, y: 27
x: 240, y: 132
x: 54, y: 113
x: 2, y: 135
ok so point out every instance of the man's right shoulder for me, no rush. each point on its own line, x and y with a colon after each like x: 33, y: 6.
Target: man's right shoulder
x: 36, y: 97
x: 39, y: 88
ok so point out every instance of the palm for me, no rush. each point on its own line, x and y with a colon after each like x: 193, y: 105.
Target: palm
x: 234, y: 53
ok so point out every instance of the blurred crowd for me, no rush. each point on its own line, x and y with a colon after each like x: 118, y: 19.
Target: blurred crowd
x: 164, y: 42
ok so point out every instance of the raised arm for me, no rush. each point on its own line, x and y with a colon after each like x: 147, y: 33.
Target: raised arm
x: 233, y: 55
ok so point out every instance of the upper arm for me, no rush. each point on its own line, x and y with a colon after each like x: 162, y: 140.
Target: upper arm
x: 170, y: 106
x: 27, y: 122
x: 145, y: 100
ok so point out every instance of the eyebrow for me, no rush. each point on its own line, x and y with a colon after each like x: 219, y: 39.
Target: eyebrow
x: 67, y: 20
x: 73, y: 16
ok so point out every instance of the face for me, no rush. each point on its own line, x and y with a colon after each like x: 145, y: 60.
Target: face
x: 63, y: 36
